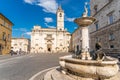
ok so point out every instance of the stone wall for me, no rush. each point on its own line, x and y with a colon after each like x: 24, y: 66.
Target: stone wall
x: 5, y: 35
x: 103, y: 37
x: 76, y: 40
x: 102, y: 34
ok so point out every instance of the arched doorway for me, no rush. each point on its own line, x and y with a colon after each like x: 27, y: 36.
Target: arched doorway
x: 0, y: 49
x: 49, y: 47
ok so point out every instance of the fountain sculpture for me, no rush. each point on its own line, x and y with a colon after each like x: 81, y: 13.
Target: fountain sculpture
x: 85, y: 67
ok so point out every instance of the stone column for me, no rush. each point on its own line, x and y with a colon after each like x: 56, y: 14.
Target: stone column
x: 85, y: 43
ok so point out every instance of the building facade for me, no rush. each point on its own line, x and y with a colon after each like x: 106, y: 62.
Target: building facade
x: 51, y: 39
x: 106, y: 29
x: 20, y: 44
x: 5, y: 34
x: 76, y: 40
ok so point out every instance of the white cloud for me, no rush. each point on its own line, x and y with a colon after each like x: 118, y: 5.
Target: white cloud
x: 29, y: 1
x: 75, y: 27
x: 49, y: 6
x: 24, y: 31
x: 48, y: 19
x: 49, y: 26
x: 28, y: 33
x: 70, y: 19
x: 20, y: 29
x: 86, y: 3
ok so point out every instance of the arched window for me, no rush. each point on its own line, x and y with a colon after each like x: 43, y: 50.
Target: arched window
x: 60, y: 14
x: 4, y: 36
x: 96, y: 8
x: 60, y: 29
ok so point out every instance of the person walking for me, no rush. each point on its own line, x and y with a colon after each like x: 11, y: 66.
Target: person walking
x: 11, y: 52
x: 20, y: 51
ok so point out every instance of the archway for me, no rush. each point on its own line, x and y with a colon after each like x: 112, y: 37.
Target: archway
x: 0, y: 49
x: 49, y: 47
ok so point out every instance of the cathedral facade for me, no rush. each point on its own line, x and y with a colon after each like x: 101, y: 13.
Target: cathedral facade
x: 51, y: 40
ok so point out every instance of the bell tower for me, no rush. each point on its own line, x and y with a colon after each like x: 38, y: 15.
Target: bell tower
x: 60, y: 19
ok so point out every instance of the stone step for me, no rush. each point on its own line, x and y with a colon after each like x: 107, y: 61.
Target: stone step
x: 55, y: 74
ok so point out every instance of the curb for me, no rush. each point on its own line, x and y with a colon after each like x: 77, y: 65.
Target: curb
x: 55, y: 74
x: 37, y: 74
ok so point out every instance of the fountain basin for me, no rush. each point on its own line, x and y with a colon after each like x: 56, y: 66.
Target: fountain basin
x: 91, y: 68
x: 84, y: 21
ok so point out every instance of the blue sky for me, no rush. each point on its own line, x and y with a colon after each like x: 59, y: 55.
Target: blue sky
x: 27, y: 13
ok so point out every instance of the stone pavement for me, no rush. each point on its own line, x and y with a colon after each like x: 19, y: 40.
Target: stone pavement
x: 57, y: 75
x: 8, y: 56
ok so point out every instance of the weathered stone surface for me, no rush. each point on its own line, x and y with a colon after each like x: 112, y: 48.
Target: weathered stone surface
x: 57, y: 75
x: 116, y: 77
x: 92, y: 68
x: 105, y: 28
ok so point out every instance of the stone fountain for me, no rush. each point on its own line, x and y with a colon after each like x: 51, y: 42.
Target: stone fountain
x: 86, y: 67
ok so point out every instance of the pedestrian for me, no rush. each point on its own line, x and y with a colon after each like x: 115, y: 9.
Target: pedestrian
x: 11, y: 52
x: 20, y: 51
x: 17, y: 52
